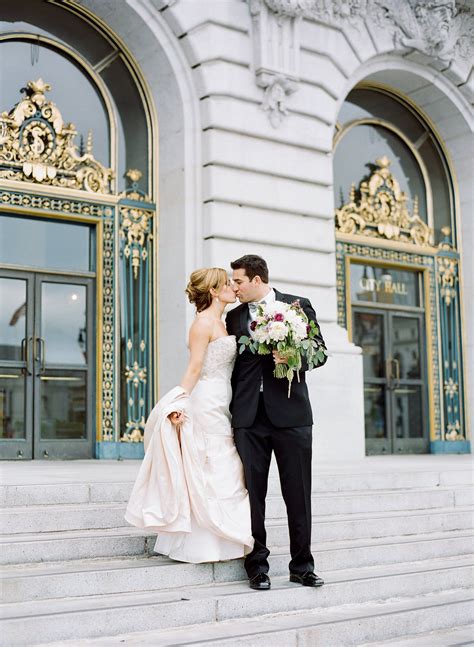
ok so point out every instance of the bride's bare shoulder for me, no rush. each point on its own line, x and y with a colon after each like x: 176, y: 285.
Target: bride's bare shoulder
x: 201, y: 327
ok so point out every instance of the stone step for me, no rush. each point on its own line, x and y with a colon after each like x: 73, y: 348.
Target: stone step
x: 452, y: 637
x: 340, y: 555
x: 106, y: 492
x: 27, y: 623
x: 73, y: 545
x: 33, y: 519
x: 378, y: 501
x: 61, y: 517
x: 67, y: 516
x: 117, y: 542
x: 121, y: 575
x: 377, y: 524
x: 347, y: 625
x: 353, y: 502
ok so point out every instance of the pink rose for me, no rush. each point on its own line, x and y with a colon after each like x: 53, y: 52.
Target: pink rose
x: 279, y: 317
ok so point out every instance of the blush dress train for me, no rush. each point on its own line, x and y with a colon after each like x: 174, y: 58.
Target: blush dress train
x: 191, y: 490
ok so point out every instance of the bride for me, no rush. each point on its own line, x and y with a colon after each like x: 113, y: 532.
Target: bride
x: 190, y: 487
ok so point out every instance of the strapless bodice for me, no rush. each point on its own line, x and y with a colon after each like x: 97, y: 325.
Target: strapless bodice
x: 219, y: 360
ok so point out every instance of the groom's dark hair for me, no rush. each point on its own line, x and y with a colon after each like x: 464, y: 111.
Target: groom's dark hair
x: 253, y: 266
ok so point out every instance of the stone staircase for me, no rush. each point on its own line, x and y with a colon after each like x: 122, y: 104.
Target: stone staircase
x: 394, y: 542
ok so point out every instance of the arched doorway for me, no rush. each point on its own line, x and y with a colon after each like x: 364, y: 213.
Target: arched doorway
x: 77, y: 228
x: 397, y: 263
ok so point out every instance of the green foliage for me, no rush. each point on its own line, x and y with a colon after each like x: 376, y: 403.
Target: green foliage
x: 293, y: 351
x: 280, y: 371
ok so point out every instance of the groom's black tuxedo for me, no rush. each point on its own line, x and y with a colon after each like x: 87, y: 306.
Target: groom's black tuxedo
x: 250, y: 369
x: 267, y: 421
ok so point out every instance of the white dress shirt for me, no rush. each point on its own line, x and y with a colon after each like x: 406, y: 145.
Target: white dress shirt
x: 268, y: 298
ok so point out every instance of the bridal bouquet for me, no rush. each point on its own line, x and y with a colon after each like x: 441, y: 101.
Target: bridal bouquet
x: 285, y: 328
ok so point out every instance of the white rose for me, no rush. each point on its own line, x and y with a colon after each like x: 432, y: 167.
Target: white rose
x: 276, y: 306
x: 291, y: 316
x: 299, y: 333
x: 261, y: 335
x: 277, y: 330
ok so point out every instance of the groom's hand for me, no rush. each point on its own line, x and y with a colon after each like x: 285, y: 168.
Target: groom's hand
x: 279, y: 359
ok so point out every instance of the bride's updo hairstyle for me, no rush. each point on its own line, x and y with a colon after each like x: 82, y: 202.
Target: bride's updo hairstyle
x: 201, y: 282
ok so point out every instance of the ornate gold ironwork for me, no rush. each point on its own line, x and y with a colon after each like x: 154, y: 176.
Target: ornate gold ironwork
x: 135, y: 374
x: 447, y: 268
x: 135, y: 223
x: 50, y: 204
x: 447, y: 265
x: 450, y: 388
x: 108, y: 327
x: 454, y: 431
x: 134, y: 433
x: 447, y: 275
x: 136, y: 234
x: 378, y: 209
x: 133, y: 192
x: 135, y: 230
x: 37, y: 146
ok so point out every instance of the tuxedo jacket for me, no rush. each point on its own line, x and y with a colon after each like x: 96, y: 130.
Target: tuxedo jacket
x: 250, y: 369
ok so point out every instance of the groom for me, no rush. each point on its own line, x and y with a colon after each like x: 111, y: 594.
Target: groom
x: 265, y: 420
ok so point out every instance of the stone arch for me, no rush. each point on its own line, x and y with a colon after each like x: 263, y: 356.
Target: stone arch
x: 450, y: 115
x: 168, y: 76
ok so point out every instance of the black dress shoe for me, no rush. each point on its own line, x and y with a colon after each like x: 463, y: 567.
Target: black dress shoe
x: 307, y: 579
x: 260, y: 582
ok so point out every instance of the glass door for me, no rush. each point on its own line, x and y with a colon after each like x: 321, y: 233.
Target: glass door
x: 396, y: 419
x: 63, y: 368
x: 407, y: 379
x: 369, y: 332
x: 47, y: 352
x: 16, y: 364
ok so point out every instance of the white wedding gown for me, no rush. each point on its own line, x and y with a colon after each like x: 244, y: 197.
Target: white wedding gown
x: 193, y: 495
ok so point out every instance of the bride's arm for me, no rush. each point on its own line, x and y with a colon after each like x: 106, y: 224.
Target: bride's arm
x: 199, y: 338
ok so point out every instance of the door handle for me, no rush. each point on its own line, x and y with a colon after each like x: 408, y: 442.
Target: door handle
x: 25, y: 354
x: 59, y: 378
x: 397, y: 373
x: 42, y: 353
x: 388, y: 371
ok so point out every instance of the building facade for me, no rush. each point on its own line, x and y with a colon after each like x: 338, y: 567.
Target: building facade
x: 140, y: 139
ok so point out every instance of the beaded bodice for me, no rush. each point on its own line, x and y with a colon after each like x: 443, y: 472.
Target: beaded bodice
x: 219, y: 360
